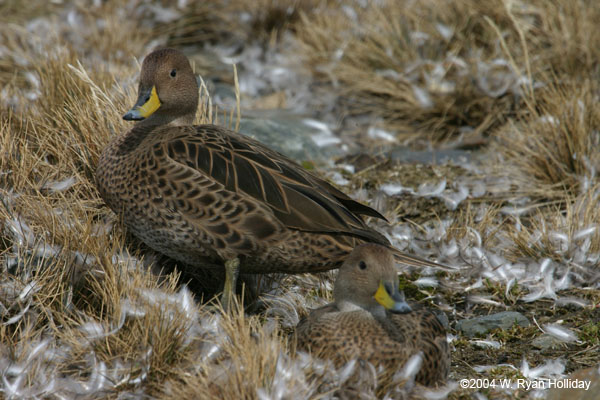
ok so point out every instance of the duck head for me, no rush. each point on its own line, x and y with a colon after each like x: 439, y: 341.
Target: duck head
x: 167, y: 92
x: 368, y: 279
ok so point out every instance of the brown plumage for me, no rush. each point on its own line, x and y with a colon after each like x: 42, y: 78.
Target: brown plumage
x: 205, y: 195
x: 358, y: 326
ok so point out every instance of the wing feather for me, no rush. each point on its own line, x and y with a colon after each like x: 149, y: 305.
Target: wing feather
x: 297, y: 198
x: 249, y: 180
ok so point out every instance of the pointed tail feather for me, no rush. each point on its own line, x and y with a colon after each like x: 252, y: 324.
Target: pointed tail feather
x: 415, y: 261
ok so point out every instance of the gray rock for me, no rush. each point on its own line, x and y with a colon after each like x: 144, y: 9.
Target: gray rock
x: 222, y: 93
x: 430, y: 157
x: 545, y: 342
x: 291, y: 135
x: 443, y: 318
x: 481, y: 325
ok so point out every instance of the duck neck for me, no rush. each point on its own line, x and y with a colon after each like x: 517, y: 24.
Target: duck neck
x: 347, y: 306
x: 376, y: 309
x: 166, y: 120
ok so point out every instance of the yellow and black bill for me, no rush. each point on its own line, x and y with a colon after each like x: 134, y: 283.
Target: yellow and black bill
x: 146, y: 104
x: 391, y: 298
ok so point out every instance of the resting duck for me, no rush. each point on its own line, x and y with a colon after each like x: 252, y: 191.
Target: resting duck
x: 369, y: 320
x: 205, y: 195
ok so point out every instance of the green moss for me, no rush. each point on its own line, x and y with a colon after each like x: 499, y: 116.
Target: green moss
x: 590, y: 333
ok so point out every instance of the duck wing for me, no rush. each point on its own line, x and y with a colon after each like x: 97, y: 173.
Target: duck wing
x: 243, y: 165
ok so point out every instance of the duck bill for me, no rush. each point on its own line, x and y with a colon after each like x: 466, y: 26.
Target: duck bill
x: 147, y: 103
x: 388, y: 296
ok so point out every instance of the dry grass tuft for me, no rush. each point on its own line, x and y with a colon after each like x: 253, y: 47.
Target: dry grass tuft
x: 194, y: 23
x: 483, y: 221
x: 564, y: 234
x: 15, y: 11
x: 70, y: 288
x: 414, y: 66
x: 562, y: 38
x: 438, y: 70
x: 139, y: 327
x: 244, y: 359
x: 239, y: 21
x: 554, y: 145
x: 52, y: 149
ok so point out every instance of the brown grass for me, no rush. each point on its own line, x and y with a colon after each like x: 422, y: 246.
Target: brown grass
x: 237, y: 369
x: 235, y: 21
x: 555, y: 143
x: 67, y: 244
x: 435, y: 70
x: 484, y: 219
x: 559, y: 233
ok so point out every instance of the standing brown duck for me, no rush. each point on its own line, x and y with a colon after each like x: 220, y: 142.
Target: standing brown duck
x: 369, y: 320
x: 207, y: 195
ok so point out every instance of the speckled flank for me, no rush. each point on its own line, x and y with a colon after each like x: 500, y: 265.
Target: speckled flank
x: 205, y: 194
x: 378, y: 336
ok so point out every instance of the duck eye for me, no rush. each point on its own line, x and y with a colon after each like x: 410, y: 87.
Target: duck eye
x: 362, y: 265
x: 173, y: 73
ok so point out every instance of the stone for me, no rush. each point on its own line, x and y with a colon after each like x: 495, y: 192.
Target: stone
x: 481, y: 325
x: 546, y: 342
x: 296, y: 136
